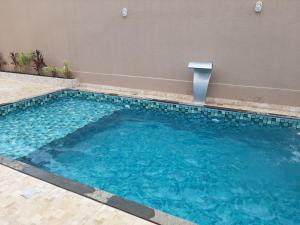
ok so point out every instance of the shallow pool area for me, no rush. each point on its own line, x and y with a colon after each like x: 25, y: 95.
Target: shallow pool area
x: 26, y: 131
x: 209, y: 166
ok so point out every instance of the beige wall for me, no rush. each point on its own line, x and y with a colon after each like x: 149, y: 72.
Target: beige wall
x: 256, y: 56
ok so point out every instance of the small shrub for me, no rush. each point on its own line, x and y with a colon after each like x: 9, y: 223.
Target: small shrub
x: 38, y: 62
x: 21, y: 62
x: 65, y: 70
x: 2, y: 63
x: 51, y: 70
x: 24, y: 60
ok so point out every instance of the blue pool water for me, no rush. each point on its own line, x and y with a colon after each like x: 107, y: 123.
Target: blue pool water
x: 204, y: 170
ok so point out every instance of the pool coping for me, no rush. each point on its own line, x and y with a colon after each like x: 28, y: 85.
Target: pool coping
x: 35, y: 96
x: 136, y: 209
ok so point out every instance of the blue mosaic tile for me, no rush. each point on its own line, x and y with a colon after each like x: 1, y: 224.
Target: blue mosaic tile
x: 145, y: 104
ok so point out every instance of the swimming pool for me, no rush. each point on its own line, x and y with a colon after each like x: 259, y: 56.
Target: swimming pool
x: 209, y: 166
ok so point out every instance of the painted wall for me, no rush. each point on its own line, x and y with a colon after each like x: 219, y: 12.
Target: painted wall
x: 256, y: 56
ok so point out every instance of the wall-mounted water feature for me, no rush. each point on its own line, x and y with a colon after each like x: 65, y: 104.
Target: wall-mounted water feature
x: 202, y: 74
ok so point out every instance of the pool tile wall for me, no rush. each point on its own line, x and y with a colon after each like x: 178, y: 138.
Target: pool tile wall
x: 151, y: 104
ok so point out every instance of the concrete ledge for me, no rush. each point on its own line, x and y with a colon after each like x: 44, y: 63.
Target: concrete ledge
x: 50, y: 81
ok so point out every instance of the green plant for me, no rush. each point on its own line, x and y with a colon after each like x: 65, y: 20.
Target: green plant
x: 65, y: 70
x: 24, y: 60
x: 51, y: 70
x: 38, y: 62
x: 2, y: 63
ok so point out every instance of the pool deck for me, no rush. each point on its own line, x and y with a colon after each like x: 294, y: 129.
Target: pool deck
x: 12, y: 90
x: 28, y: 200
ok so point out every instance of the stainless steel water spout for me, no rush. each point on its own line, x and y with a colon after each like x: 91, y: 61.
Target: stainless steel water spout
x: 202, y: 74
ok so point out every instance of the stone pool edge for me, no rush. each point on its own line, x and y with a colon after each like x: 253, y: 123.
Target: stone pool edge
x: 149, y: 214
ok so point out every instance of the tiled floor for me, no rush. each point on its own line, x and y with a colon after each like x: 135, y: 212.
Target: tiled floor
x: 28, y: 201
x: 11, y: 90
x: 25, y: 200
